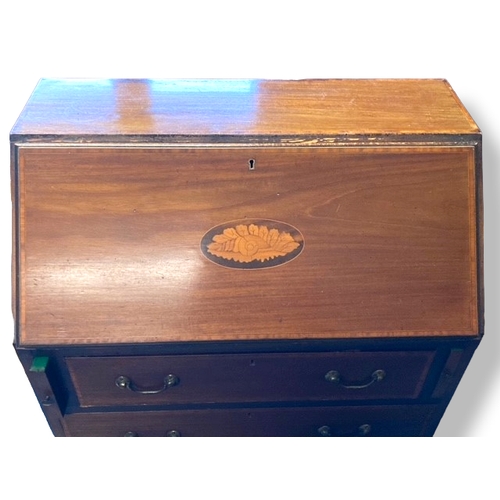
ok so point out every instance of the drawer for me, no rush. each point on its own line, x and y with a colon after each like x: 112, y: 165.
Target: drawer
x: 191, y: 379
x: 321, y: 421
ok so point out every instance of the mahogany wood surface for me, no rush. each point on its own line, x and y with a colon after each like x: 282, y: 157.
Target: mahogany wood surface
x: 110, y: 243
x: 248, y: 377
x: 242, y: 240
x: 315, y: 108
x: 342, y: 421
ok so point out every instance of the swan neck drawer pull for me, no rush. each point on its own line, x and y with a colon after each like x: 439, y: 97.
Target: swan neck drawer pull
x: 335, y: 377
x: 125, y: 383
x: 363, y: 430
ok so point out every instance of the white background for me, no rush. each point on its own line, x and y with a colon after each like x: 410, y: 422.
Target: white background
x: 370, y: 39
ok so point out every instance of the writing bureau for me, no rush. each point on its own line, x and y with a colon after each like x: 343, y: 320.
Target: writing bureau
x: 246, y: 257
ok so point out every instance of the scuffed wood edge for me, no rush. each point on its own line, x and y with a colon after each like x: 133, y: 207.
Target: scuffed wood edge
x: 246, y: 141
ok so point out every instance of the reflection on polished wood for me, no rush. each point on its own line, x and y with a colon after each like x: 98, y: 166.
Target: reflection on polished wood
x: 246, y: 257
x: 390, y: 243
x: 310, y: 108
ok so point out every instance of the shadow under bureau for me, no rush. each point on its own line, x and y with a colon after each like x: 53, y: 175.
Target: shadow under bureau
x: 246, y: 257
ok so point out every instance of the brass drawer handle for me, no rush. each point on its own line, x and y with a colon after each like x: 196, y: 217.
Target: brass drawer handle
x: 335, y: 377
x: 172, y: 433
x: 125, y: 383
x: 363, y: 430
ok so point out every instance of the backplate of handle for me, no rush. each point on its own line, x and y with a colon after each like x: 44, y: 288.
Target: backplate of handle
x: 335, y: 377
x: 124, y: 382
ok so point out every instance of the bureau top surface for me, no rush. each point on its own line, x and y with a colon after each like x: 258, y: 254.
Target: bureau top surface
x: 169, y: 108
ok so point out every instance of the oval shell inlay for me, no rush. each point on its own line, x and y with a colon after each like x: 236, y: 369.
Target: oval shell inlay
x: 252, y: 243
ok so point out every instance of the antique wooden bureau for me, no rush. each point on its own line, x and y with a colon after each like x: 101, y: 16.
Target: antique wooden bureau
x: 246, y: 257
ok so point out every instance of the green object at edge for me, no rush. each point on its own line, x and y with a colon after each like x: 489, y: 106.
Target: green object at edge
x: 39, y: 364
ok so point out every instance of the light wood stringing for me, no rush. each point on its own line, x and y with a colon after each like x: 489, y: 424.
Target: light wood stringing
x: 110, y: 238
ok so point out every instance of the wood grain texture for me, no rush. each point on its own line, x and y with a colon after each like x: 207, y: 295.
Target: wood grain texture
x: 248, y: 377
x: 110, y: 244
x: 343, y: 421
x: 317, y: 108
x: 243, y: 246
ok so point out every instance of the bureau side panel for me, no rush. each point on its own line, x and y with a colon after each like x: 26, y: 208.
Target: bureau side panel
x: 135, y: 244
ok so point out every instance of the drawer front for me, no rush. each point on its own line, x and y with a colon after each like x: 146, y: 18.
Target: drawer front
x: 139, y: 245
x: 188, y: 379
x: 321, y: 421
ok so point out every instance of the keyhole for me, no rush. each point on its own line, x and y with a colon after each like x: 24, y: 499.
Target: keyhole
x: 251, y: 164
